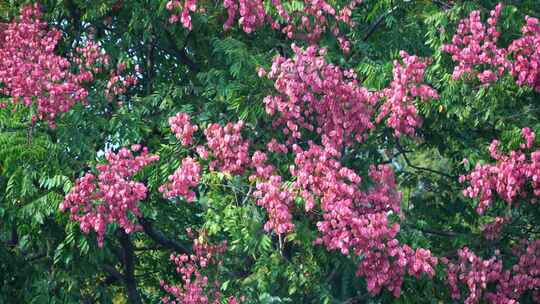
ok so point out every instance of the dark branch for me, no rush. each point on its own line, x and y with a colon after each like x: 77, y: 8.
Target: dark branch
x: 377, y: 22
x: 129, y: 268
x: 150, y: 65
x: 115, y: 274
x: 443, y: 5
x: 14, y: 239
x: 149, y: 248
x: 435, y: 232
x: 179, y: 53
x: 421, y: 168
x: 158, y: 237
x: 36, y: 257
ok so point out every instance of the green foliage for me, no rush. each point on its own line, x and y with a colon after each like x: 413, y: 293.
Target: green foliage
x: 212, y: 75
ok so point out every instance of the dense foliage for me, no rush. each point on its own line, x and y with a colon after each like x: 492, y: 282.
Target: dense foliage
x: 269, y: 151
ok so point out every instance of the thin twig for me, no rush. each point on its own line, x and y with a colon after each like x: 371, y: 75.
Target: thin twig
x: 248, y: 194
x: 421, y: 168
x: 377, y: 22
x: 435, y: 232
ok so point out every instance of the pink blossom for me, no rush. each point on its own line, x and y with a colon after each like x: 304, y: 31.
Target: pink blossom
x: 477, y: 273
x: 475, y: 45
x: 356, y: 222
x: 196, y: 287
x: 183, y: 129
x: 111, y: 196
x: 229, y: 149
x: 507, y: 177
x: 187, y: 176
x: 526, y: 53
x: 31, y: 73
x: 272, y: 195
x: 181, y: 12
x: 398, y: 108
x: 311, y: 90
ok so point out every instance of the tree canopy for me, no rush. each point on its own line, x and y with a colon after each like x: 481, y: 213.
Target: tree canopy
x: 269, y: 151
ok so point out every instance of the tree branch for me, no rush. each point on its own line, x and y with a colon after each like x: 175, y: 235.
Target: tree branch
x: 377, y: 22
x: 129, y: 268
x: 421, y: 168
x: 158, y: 237
x: 180, y: 53
x: 443, y: 5
x: 149, y: 70
x: 14, y: 238
x: 149, y: 248
x: 36, y: 257
x: 435, y: 232
x: 113, y: 272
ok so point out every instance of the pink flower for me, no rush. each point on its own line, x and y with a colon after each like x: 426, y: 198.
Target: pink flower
x: 111, y: 196
x: 184, y: 178
x: 398, y: 108
x: 509, y: 285
x: 195, y: 287
x: 229, y: 149
x: 507, y: 177
x: 183, y: 129
x: 33, y: 75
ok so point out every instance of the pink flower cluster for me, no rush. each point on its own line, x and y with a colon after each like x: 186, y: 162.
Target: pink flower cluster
x: 110, y: 197
x: 277, y: 200
x: 90, y: 59
x: 196, y: 287
x: 119, y: 82
x: 31, y: 73
x: 183, y: 180
x: 272, y: 195
x: 526, y: 54
x: 319, y: 174
x: 507, y: 177
x: 356, y: 221
x: 314, y: 20
x: 252, y: 15
x: 406, y: 86
x: 232, y: 7
x: 474, y: 47
x: 229, y: 149
x: 383, y: 195
x: 184, y: 11
x: 477, y: 273
x: 313, y: 91
x: 385, y: 263
x: 475, y: 44
x: 183, y: 129
x: 274, y: 146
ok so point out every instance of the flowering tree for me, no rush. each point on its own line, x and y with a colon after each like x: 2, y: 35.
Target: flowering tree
x: 250, y: 151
